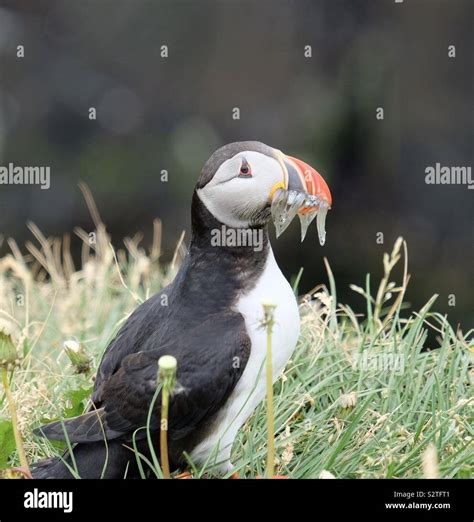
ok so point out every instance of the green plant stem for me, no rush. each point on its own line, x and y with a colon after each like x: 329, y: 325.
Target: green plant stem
x: 165, y: 465
x: 270, y: 471
x: 16, y: 431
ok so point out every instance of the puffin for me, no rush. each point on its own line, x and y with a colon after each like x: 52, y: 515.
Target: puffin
x: 209, y: 318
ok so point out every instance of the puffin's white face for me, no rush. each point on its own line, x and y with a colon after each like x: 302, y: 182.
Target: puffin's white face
x: 239, y: 194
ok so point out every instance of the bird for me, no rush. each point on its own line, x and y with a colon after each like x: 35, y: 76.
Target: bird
x: 208, y: 318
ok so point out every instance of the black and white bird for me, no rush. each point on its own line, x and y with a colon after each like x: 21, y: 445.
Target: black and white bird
x: 208, y: 318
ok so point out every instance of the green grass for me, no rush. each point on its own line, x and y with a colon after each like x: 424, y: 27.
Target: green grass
x: 361, y: 397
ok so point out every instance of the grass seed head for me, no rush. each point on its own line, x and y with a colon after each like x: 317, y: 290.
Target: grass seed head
x: 430, y: 462
x: 167, y: 366
x: 78, y: 356
x: 348, y: 400
x: 9, y: 337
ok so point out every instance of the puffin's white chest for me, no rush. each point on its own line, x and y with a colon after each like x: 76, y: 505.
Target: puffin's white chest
x: 251, y: 387
x: 273, y: 287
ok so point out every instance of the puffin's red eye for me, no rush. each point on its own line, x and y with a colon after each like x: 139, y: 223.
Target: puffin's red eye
x: 245, y: 171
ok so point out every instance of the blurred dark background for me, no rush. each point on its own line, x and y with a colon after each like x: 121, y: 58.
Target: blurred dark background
x: 157, y: 113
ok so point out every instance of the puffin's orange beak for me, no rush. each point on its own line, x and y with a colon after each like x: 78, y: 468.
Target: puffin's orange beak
x: 303, y: 178
x: 302, y: 192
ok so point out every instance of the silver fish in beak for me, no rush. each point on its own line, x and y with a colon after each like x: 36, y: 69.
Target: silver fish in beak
x: 302, y: 192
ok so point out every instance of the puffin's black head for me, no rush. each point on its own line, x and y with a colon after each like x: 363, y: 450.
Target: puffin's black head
x: 239, y: 181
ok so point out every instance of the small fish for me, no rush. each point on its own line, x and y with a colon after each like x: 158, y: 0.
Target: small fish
x: 288, y: 203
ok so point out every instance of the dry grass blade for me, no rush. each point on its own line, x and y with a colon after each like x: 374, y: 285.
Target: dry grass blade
x: 94, y: 211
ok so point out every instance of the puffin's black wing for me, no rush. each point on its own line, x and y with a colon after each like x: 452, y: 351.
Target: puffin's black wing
x: 211, y: 359
x: 139, y: 330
